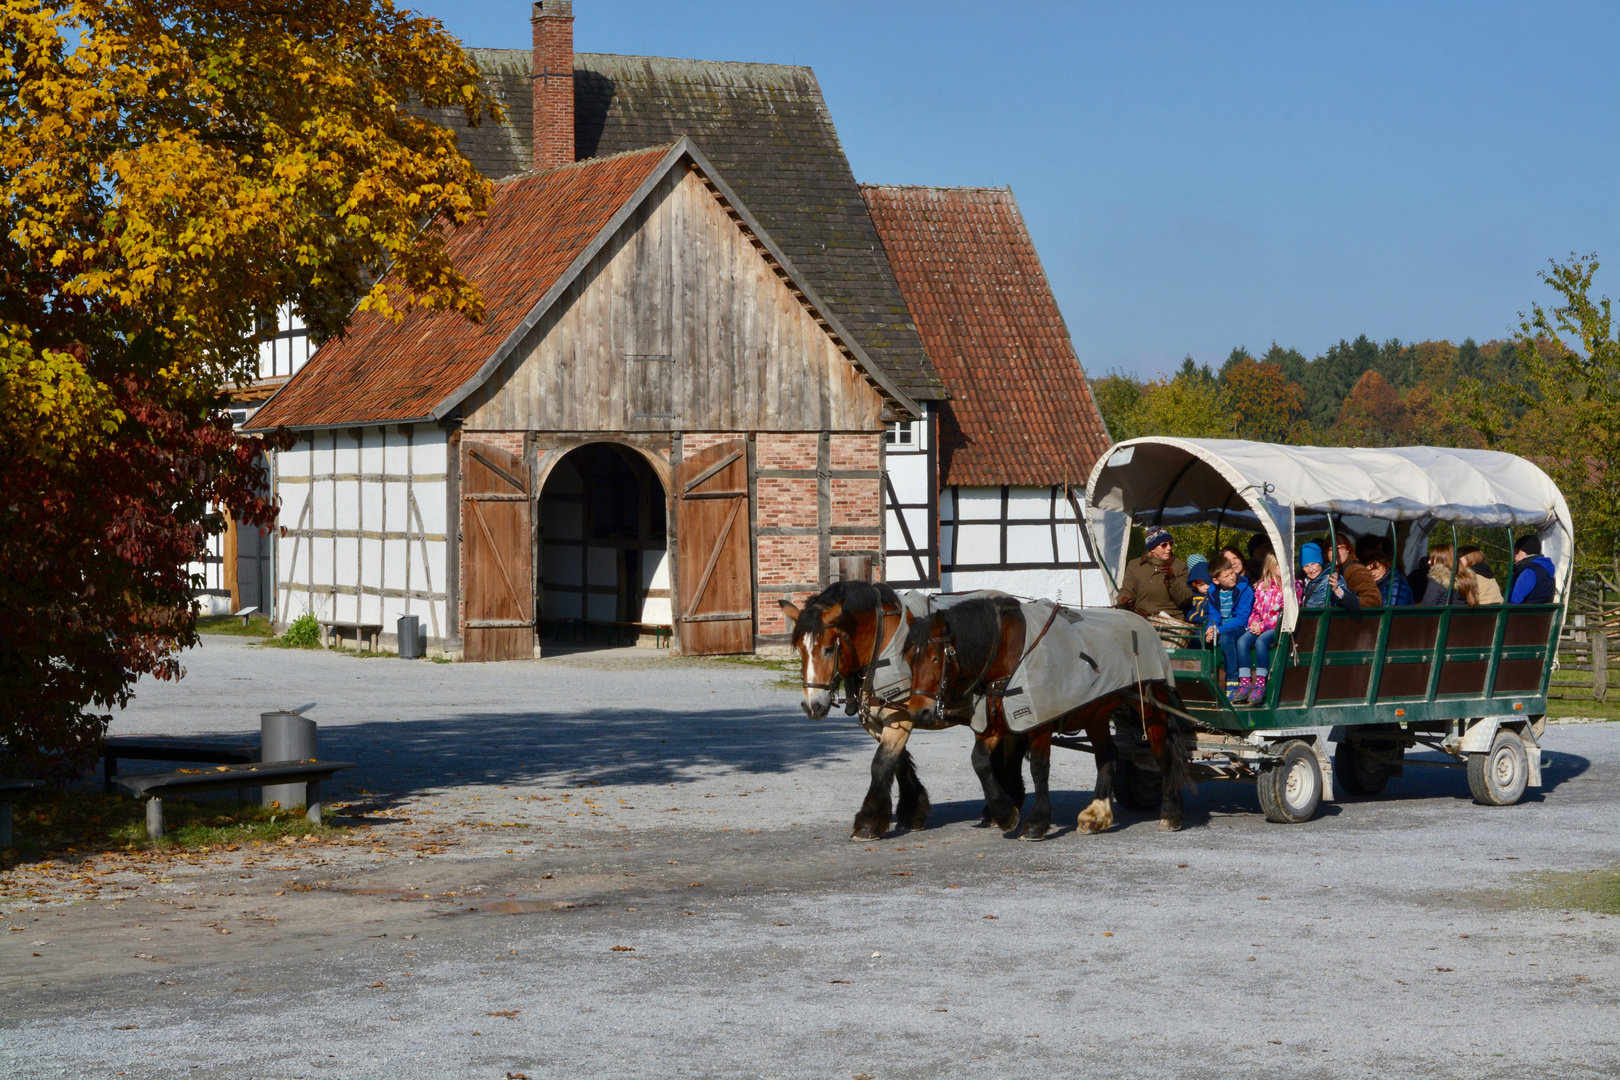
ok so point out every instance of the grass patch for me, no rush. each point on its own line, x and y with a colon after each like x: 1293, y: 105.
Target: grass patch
x: 789, y: 666
x: 57, y: 824
x: 258, y: 626
x: 1576, y: 686
x: 1568, y: 890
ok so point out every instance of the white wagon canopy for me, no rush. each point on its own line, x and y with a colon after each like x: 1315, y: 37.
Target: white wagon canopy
x: 1284, y: 490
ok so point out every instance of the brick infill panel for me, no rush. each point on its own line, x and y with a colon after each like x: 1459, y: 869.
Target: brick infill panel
x: 855, y: 502
x: 854, y: 451
x: 785, y: 503
x: 775, y: 450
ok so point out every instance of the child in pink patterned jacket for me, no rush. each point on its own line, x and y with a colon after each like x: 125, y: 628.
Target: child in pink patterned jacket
x: 1261, y: 634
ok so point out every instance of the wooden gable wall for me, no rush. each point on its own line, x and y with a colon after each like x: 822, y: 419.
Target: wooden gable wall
x: 680, y: 323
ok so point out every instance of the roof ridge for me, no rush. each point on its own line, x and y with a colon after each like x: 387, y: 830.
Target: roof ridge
x: 696, y: 60
x: 659, y: 149
x: 1005, y: 189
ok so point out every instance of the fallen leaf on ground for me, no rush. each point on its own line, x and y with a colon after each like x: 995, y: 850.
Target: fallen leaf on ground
x: 624, y: 948
x: 377, y: 986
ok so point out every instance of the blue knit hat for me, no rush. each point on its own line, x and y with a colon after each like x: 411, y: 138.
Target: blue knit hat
x: 1196, y: 559
x: 1200, y: 572
x: 1311, y: 553
x: 1155, y: 537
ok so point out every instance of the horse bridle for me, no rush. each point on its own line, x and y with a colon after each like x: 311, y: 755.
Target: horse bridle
x: 852, y: 696
x: 948, y: 661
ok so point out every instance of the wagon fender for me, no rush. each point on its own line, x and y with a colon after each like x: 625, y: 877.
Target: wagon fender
x: 1482, y: 733
x: 1318, y: 747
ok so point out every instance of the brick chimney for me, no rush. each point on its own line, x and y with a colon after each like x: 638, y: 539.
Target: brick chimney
x: 553, y: 83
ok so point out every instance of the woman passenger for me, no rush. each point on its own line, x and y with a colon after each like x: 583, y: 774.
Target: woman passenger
x: 1445, y: 587
x: 1392, y: 587
x: 1485, y: 584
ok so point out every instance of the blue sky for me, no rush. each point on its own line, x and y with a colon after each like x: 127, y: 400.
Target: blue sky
x: 1199, y: 176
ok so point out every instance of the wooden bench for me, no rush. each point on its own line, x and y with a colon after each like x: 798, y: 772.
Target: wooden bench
x: 150, y: 788
x: 334, y: 628
x: 8, y: 788
x: 144, y: 748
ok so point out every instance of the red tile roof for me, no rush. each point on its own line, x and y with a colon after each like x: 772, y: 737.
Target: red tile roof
x: 1021, y: 411
x: 538, y: 225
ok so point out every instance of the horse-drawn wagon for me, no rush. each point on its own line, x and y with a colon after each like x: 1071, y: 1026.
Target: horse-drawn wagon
x: 1470, y: 682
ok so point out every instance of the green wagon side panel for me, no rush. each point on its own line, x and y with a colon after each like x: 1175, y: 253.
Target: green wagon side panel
x: 1387, y: 665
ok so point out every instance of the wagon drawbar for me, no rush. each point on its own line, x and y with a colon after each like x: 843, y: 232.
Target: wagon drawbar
x: 1470, y: 682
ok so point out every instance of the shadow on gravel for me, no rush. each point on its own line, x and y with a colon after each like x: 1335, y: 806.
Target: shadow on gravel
x: 610, y: 746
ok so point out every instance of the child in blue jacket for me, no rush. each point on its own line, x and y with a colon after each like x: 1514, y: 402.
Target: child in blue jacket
x: 1230, y: 603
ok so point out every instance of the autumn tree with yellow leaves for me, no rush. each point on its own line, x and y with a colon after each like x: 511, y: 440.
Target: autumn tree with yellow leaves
x: 170, y: 174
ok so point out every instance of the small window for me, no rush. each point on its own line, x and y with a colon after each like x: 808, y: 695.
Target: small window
x: 898, y: 434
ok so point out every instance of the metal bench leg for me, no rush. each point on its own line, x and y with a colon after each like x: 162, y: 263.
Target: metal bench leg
x: 5, y: 824
x: 154, y: 818
x: 312, y: 802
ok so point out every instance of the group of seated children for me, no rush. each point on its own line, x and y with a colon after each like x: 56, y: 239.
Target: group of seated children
x: 1237, y: 601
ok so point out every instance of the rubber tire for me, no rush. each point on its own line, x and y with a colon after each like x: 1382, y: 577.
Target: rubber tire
x: 1356, y: 774
x: 1498, y: 777
x: 1137, y: 788
x: 1285, y: 807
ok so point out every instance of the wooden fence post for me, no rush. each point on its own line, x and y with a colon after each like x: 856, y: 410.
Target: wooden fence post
x: 1600, y: 664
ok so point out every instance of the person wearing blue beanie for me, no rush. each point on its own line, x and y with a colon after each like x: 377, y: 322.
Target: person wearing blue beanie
x: 1313, y: 590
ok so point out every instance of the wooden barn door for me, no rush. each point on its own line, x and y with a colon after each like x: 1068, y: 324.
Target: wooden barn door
x: 716, y: 567
x: 497, y: 554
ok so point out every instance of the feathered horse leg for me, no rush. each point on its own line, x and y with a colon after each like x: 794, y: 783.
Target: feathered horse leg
x: 872, y: 822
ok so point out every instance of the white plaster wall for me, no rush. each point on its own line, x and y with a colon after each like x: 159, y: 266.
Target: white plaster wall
x: 365, y: 527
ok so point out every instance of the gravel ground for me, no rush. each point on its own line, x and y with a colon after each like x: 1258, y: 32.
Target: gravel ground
x: 614, y: 864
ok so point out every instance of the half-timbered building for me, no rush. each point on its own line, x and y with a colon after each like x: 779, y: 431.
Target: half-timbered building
x: 714, y: 372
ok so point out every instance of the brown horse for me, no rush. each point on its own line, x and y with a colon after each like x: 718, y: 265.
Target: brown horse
x: 839, y: 633
x: 971, y: 650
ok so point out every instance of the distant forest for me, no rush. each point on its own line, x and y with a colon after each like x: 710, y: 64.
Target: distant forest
x: 1357, y: 393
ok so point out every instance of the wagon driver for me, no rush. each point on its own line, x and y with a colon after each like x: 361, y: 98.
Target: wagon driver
x: 1156, y: 584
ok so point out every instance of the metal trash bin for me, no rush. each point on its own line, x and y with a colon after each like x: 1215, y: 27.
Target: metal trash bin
x: 410, y: 637
x: 285, y: 736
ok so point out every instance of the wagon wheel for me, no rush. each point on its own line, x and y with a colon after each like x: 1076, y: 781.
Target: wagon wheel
x: 1291, y: 788
x: 1358, y: 772
x: 1498, y: 777
x: 1138, y: 788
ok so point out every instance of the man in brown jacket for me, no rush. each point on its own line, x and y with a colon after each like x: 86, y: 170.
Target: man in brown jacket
x: 1354, y: 576
x: 1156, y: 584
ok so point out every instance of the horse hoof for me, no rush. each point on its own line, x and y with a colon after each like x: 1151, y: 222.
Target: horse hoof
x: 1169, y: 826
x: 1034, y: 832
x: 1009, y: 823
x: 866, y: 832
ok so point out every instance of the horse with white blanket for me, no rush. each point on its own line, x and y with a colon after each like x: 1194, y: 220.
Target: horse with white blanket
x: 1034, y: 669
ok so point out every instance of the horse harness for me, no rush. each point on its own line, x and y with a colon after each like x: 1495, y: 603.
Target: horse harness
x: 996, y: 688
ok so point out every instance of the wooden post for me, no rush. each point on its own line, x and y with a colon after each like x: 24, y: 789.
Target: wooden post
x: 1600, y: 664
x: 228, y: 572
x: 1579, y: 623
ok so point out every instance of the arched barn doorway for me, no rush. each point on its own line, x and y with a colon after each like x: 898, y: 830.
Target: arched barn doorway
x: 602, y: 540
